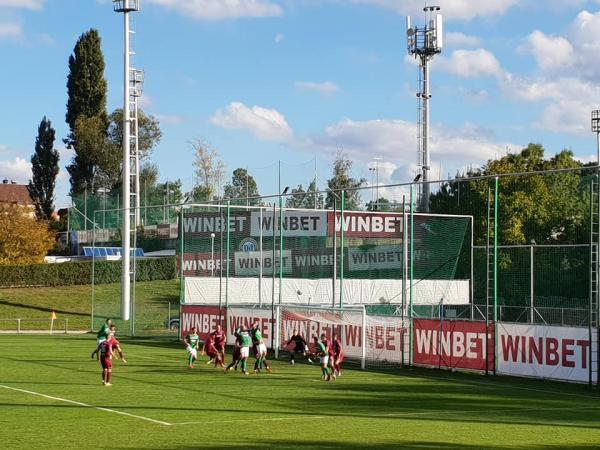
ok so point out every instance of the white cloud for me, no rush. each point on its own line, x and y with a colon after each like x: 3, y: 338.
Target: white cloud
x: 10, y: 30
x: 550, y: 52
x: 395, y: 141
x: 265, y: 124
x: 27, y: 4
x: 569, y: 101
x: 452, y: 9
x: 279, y: 37
x: 470, y: 63
x: 326, y: 87
x: 458, y: 39
x: 223, y: 9
x: 18, y: 170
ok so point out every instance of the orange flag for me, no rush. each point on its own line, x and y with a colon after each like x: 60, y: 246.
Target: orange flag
x: 53, y: 315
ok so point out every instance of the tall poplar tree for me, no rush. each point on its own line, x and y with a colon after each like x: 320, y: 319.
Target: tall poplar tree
x: 44, y: 166
x: 86, y: 114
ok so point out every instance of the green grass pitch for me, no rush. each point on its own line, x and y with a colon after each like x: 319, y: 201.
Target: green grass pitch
x: 52, y: 397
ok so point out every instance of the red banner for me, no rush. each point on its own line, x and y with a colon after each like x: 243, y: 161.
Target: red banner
x: 204, y: 318
x: 453, y: 344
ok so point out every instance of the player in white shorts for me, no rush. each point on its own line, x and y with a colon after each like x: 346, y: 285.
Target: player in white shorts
x: 260, y: 349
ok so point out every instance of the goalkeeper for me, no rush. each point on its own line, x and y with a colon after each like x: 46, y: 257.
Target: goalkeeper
x: 299, y: 346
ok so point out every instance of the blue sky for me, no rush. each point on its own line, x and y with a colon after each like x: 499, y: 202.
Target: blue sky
x: 295, y: 80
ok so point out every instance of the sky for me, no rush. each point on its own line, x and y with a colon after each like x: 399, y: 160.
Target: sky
x: 297, y: 81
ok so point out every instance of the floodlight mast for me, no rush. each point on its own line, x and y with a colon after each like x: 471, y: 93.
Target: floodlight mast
x: 424, y: 43
x: 129, y: 160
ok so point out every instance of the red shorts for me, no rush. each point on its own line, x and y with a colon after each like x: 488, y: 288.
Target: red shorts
x: 220, y: 347
x: 211, y: 354
x: 106, y: 363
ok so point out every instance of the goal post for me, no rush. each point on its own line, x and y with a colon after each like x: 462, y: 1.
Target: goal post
x: 372, y: 341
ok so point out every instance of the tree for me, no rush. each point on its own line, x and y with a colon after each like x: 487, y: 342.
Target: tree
x: 86, y: 113
x: 383, y: 204
x: 24, y: 240
x: 149, y: 133
x: 341, y: 180
x: 540, y: 208
x: 44, y: 166
x: 242, y: 186
x: 309, y: 199
x: 210, y: 169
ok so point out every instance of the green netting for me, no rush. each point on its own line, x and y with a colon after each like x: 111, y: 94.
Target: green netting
x: 268, y: 254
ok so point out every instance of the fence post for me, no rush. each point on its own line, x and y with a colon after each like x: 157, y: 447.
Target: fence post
x: 18, y: 326
x: 531, y: 280
x: 363, y: 362
x: 66, y: 325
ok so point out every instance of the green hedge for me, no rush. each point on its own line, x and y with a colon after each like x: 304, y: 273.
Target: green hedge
x: 78, y: 273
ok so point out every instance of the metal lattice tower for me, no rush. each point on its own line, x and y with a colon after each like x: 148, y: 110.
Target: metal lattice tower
x: 133, y: 82
x: 424, y: 43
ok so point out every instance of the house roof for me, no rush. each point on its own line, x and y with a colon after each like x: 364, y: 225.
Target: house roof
x: 15, y: 194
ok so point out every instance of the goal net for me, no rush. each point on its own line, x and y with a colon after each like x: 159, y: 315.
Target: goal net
x: 373, y: 341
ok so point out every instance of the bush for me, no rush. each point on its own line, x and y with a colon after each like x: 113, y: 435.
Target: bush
x: 80, y: 273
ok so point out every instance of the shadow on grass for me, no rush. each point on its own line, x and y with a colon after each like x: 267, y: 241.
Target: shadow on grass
x: 42, y: 308
x: 330, y: 445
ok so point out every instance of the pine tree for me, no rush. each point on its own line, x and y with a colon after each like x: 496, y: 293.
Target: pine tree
x: 86, y: 113
x: 44, y: 165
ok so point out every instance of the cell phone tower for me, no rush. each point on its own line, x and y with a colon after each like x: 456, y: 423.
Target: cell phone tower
x: 424, y: 43
x: 133, y: 86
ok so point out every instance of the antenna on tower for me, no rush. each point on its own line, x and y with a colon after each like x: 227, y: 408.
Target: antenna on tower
x: 424, y: 43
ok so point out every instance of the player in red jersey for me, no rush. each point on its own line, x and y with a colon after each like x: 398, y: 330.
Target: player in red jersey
x: 219, y: 338
x: 211, y: 351
x: 338, y: 355
x: 106, y: 354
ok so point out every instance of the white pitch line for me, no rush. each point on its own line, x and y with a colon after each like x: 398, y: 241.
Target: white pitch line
x: 266, y: 419
x: 85, y: 405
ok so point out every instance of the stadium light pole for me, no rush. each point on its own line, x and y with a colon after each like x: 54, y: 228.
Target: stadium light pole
x: 126, y: 7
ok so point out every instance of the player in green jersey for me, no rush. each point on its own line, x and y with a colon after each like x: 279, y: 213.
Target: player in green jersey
x: 102, y: 336
x: 260, y: 349
x: 322, y: 351
x: 244, y: 337
x: 191, y: 342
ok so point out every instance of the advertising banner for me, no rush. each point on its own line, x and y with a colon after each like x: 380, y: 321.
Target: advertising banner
x: 375, y: 257
x: 201, y: 264
x: 295, y: 223
x: 363, y: 224
x: 245, y: 318
x: 384, y: 338
x: 204, y: 318
x: 560, y: 353
x: 453, y: 344
x: 249, y: 263
x: 203, y: 224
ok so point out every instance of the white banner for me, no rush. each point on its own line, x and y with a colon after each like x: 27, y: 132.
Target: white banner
x: 559, y: 353
x: 248, y: 263
x: 304, y: 291
x: 295, y: 223
x: 245, y: 318
x: 376, y: 257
